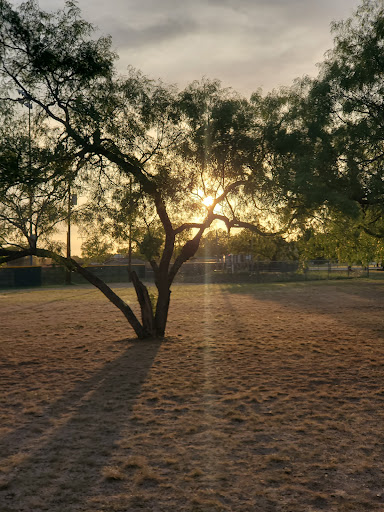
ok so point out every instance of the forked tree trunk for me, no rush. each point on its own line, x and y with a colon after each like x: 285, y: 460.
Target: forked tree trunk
x: 153, y: 323
x: 146, y: 307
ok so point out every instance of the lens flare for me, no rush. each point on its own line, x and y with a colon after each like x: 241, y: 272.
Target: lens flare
x: 208, y: 201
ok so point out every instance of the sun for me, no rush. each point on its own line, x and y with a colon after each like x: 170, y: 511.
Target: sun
x: 208, y: 201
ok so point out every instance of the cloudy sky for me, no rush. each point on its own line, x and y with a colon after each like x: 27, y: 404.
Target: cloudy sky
x: 246, y: 44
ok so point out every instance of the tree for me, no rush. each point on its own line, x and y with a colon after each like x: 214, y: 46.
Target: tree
x: 326, y: 135
x: 191, y: 157
x: 34, y: 181
x: 262, y: 248
x: 214, y: 244
x: 343, y: 240
x: 350, y: 89
x: 95, y: 249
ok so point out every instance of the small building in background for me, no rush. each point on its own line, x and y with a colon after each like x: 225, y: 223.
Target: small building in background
x: 122, y: 259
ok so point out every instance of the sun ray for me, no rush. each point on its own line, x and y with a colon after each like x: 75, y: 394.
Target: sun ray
x: 208, y: 201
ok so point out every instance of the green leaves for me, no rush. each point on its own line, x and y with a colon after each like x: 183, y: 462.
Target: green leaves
x: 343, y: 239
x: 351, y: 90
x: 150, y: 245
x: 56, y: 44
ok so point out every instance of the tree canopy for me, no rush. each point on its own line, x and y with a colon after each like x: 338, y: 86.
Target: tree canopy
x: 350, y: 91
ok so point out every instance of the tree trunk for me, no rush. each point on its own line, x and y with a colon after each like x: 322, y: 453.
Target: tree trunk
x: 162, y: 308
x: 154, y: 324
x: 139, y: 329
x: 144, y: 299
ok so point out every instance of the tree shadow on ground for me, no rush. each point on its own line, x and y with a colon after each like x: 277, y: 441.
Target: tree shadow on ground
x: 58, y: 458
x: 344, y: 301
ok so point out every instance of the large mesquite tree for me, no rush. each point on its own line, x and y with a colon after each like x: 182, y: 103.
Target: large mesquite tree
x: 183, y: 159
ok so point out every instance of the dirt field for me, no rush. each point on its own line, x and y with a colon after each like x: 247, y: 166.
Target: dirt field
x: 261, y: 399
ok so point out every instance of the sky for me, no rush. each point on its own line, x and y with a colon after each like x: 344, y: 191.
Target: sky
x: 247, y: 44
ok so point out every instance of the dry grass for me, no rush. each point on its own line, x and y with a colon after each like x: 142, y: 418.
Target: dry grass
x: 262, y: 399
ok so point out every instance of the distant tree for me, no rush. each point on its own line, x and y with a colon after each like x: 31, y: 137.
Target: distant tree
x: 35, y: 170
x: 191, y: 157
x: 214, y: 244
x: 343, y: 241
x: 96, y: 250
x: 262, y: 248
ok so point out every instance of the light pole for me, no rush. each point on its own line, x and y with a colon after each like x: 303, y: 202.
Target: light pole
x: 25, y: 100
x: 72, y: 200
x: 130, y: 231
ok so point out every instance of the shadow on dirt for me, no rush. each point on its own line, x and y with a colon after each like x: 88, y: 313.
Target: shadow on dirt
x: 345, y: 300
x: 61, y: 453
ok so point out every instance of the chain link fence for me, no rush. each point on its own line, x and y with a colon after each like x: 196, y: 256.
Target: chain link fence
x: 237, y: 269
x: 232, y: 269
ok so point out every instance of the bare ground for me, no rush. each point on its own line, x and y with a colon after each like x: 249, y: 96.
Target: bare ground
x: 261, y: 399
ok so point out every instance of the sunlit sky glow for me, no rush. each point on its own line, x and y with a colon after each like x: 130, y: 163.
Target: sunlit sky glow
x: 208, y: 201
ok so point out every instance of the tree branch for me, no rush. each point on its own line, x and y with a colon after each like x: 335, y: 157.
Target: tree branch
x: 371, y: 233
x: 10, y: 255
x: 226, y: 191
x: 190, y: 248
x: 235, y: 223
x: 186, y: 226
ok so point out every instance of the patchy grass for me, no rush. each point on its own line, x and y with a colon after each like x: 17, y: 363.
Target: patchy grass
x: 262, y: 399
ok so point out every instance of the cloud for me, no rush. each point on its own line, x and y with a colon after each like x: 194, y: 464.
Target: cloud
x: 167, y: 30
x: 245, y: 43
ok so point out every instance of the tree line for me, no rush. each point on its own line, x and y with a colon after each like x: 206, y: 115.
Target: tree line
x: 161, y: 166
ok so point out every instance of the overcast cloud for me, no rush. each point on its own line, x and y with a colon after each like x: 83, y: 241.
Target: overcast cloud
x: 245, y: 43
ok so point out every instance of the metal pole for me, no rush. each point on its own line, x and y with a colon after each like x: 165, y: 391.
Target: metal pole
x: 130, y: 251
x: 130, y: 231
x: 25, y: 101
x: 30, y: 191
x: 68, y: 279
x: 252, y: 252
x: 217, y: 248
